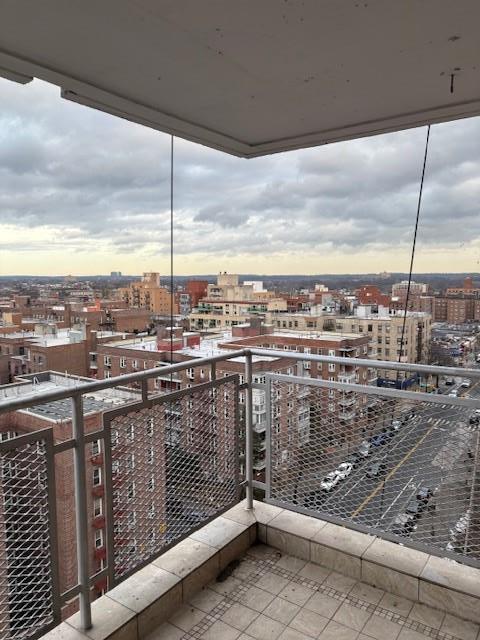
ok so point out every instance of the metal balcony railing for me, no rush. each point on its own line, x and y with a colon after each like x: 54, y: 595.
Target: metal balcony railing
x: 407, y: 469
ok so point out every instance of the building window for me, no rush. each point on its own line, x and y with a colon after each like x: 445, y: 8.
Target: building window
x: 107, y: 361
x: 97, y: 476
x: 96, y: 447
x: 150, y: 455
x: 97, y: 507
x: 151, y: 483
x: 108, y: 374
x: 123, y: 363
x: 131, y: 461
x: 98, y: 538
x: 131, y: 432
x: 331, y: 366
x: 131, y: 490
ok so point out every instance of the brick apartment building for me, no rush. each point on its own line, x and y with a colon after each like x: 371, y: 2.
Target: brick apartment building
x: 124, y: 356
x: 50, y: 348
x: 150, y: 295
x: 145, y: 517
x: 57, y: 415
x: 196, y: 289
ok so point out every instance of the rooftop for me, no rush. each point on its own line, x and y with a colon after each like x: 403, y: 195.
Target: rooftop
x: 331, y: 336
x: 59, y: 410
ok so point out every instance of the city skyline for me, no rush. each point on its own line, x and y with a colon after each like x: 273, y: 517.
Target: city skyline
x: 84, y: 193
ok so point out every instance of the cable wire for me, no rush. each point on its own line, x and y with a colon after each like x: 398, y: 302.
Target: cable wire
x: 171, y: 256
x: 419, y: 204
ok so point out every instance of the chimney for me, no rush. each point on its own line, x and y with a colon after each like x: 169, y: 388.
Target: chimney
x: 67, y: 316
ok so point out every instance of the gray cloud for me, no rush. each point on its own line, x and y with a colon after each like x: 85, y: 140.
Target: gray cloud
x: 95, y: 178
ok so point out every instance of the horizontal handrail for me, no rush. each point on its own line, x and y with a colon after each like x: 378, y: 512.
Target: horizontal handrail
x: 385, y: 392
x: 14, y: 404
x: 372, y: 364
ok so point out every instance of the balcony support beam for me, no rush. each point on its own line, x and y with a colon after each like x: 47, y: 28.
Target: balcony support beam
x: 249, y: 430
x: 81, y: 519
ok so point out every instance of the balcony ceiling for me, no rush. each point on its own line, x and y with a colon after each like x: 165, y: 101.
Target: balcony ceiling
x: 254, y: 76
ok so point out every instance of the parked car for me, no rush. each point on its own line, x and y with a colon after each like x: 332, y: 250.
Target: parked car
x: 403, y: 525
x: 330, y: 481
x: 376, y: 469
x: 377, y: 441
x: 396, y: 424
x: 449, y: 381
x: 465, y: 384
x: 424, y: 494
x: 343, y: 470
x: 364, y: 448
x: 414, y: 509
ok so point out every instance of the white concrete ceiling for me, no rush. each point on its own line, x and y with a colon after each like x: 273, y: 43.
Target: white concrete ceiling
x: 253, y: 77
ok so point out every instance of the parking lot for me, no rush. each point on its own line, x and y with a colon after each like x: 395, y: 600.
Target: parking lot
x: 432, y: 449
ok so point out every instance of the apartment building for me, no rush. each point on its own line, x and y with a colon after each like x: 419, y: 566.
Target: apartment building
x: 19, y: 494
x: 467, y: 288
x: 399, y: 289
x: 384, y: 331
x: 149, y: 294
x: 299, y: 321
x: 196, y: 289
x: 229, y: 303
x: 340, y: 416
x: 129, y: 355
x: 49, y: 348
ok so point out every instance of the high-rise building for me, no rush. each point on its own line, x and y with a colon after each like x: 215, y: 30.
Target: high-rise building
x: 228, y: 303
x: 148, y: 293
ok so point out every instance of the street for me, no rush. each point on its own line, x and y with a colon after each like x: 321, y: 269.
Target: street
x: 434, y: 450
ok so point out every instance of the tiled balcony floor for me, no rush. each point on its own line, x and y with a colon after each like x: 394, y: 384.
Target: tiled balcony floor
x: 272, y: 596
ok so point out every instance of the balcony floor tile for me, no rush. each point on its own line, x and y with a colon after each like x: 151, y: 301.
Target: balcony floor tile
x: 307, y: 607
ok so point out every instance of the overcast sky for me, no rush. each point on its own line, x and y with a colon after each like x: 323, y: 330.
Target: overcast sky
x: 82, y: 192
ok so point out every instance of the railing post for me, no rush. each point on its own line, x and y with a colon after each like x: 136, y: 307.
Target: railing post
x: 144, y: 385
x: 248, y: 431
x: 81, y: 512
x: 213, y: 371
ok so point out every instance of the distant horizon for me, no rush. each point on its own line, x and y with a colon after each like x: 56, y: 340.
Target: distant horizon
x: 252, y: 275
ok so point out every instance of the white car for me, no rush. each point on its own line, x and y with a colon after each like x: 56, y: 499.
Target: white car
x: 330, y: 480
x: 465, y: 384
x: 396, y: 424
x: 343, y: 470
x: 364, y: 448
x: 453, y: 394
